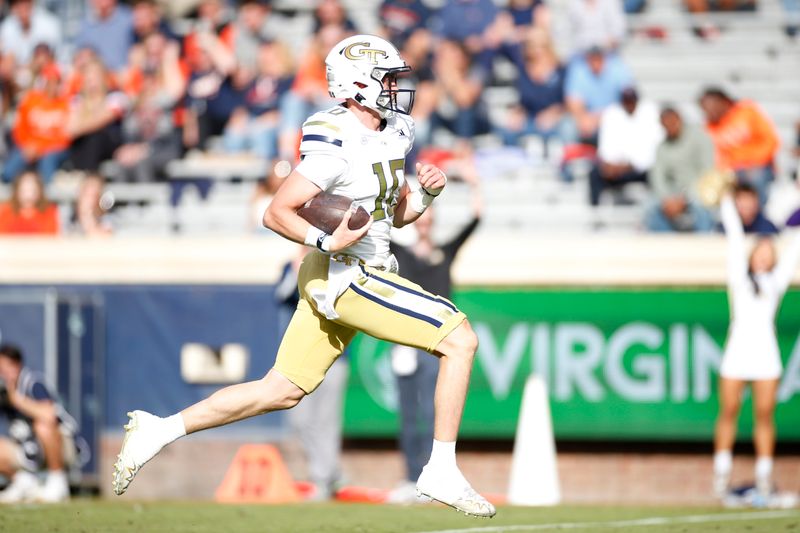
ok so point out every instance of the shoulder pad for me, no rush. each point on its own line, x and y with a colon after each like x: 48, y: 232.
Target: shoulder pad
x: 323, y: 132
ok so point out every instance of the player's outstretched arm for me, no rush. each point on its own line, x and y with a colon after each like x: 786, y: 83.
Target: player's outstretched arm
x: 413, y: 203
x: 282, y: 218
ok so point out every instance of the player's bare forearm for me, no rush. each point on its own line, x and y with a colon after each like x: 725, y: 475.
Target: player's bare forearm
x: 281, y: 215
x: 403, y: 214
x: 282, y: 218
x: 411, y: 204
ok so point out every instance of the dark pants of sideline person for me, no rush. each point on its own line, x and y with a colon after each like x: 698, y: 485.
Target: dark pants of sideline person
x: 416, y: 413
x: 598, y: 183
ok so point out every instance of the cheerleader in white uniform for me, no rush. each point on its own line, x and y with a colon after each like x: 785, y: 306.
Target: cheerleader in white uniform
x: 755, y: 289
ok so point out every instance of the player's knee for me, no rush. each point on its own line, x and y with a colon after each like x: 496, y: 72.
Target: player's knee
x: 462, y: 342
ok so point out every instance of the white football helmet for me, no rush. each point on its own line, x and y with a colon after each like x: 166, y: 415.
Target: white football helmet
x: 365, y: 68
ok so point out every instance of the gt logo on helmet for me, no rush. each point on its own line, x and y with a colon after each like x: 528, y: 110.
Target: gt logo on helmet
x: 352, y: 52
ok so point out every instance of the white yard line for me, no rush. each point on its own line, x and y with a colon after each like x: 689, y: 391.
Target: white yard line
x: 639, y: 522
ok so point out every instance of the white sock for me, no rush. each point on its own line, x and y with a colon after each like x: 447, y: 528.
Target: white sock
x: 443, y: 454
x: 763, y: 468
x: 723, y: 462
x: 175, y: 428
x: 57, y: 476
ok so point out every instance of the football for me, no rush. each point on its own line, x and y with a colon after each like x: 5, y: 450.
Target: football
x: 326, y: 211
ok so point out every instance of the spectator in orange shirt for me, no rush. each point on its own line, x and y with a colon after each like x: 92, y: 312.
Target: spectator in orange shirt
x: 745, y: 139
x: 28, y: 211
x: 39, y: 133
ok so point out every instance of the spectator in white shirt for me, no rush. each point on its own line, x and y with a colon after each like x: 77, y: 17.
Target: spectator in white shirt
x: 630, y: 132
x: 598, y: 23
x: 25, y: 27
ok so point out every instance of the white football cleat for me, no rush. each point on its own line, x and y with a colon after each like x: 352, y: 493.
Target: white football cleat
x: 143, y: 440
x: 453, y: 490
x: 22, y: 488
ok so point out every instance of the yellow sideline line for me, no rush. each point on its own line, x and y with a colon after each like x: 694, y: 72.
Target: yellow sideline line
x: 639, y: 522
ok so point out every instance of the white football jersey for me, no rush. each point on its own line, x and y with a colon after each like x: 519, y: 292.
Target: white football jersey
x: 373, y: 175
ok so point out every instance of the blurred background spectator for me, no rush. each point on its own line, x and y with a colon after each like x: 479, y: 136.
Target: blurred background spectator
x: 596, y: 23
x: 540, y: 84
x: 749, y: 209
x: 594, y: 81
x: 467, y: 22
x: 28, y: 210
x: 26, y: 26
x: 108, y: 30
x: 156, y: 81
x: 95, y: 118
x: 684, y: 156
x: 400, y: 19
x: 255, y: 126
x: 147, y: 19
x: 40, y: 136
x: 459, y: 82
x: 744, y: 137
x: 630, y: 134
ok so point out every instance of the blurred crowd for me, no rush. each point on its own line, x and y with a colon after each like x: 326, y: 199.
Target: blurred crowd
x: 141, y: 83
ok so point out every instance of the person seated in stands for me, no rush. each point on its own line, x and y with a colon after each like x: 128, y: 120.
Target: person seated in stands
x: 255, y: 126
x: 40, y: 135
x: 466, y: 22
x: 26, y: 27
x: 212, y: 29
x: 211, y: 93
x: 745, y: 196
x: 596, y: 23
x: 94, y: 120
x: 630, y: 133
x: 514, y: 21
x: 108, y: 29
x: 745, y: 139
x: 332, y: 13
x: 593, y: 82
x: 685, y: 155
x: 90, y: 213
x: 459, y: 83
x: 147, y: 19
x: 540, y: 84
x: 28, y: 211
x: 249, y: 31
x: 155, y: 85
x: 41, y: 434
x: 400, y: 19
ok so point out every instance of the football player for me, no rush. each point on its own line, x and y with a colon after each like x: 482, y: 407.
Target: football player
x: 350, y: 283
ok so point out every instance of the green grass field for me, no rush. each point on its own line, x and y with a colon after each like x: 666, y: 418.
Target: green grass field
x: 88, y: 516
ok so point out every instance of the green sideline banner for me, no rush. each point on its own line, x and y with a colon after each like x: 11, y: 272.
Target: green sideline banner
x: 619, y: 364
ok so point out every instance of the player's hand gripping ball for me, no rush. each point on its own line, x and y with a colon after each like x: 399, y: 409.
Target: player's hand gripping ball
x: 326, y: 211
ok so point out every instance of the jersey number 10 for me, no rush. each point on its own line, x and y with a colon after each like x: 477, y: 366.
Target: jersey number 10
x: 384, y: 202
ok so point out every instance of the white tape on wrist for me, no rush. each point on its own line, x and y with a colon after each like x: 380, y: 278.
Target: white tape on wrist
x: 419, y: 200
x: 312, y: 235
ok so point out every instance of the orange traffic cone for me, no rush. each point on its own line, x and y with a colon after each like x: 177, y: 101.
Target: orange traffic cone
x: 257, y: 475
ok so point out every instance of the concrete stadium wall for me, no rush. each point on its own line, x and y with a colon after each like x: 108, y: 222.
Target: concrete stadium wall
x: 487, y: 260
